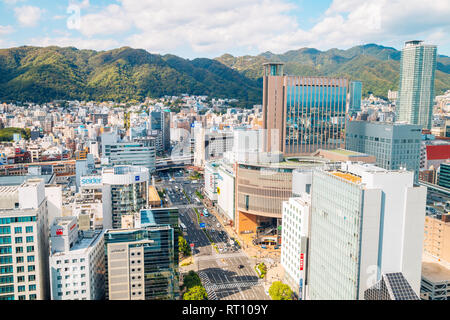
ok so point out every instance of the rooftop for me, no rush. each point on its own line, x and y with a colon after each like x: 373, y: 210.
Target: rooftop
x: 347, y: 176
x: 435, y: 270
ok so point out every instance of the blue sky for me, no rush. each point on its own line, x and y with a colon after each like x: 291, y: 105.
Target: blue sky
x: 199, y: 28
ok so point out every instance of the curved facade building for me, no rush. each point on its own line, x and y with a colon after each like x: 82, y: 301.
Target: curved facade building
x: 261, y: 190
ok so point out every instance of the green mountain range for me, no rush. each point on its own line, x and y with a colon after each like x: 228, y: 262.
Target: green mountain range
x: 36, y: 74
x: 376, y: 66
x: 45, y: 74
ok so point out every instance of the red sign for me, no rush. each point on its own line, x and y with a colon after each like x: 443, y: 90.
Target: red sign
x: 301, y: 261
x: 59, y: 232
x: 192, y: 245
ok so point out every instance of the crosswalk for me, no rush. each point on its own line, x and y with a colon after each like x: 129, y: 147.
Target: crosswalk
x: 235, y: 285
x: 211, y: 288
x: 208, y: 286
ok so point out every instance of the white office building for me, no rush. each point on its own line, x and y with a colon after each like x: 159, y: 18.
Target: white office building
x: 294, y: 251
x: 225, y: 191
x: 76, y: 262
x: 366, y: 222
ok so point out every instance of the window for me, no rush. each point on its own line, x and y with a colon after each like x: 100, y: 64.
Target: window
x: 31, y: 268
x: 21, y: 279
x: 21, y: 288
x: 19, y: 259
x: 32, y: 297
x: 18, y: 240
x: 30, y: 259
x: 30, y: 239
x: 29, y: 229
x: 32, y: 278
x: 18, y: 230
x: 22, y: 297
x: 32, y: 287
x: 30, y: 249
x: 20, y: 269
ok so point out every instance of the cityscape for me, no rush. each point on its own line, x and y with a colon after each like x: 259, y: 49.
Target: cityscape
x: 207, y: 183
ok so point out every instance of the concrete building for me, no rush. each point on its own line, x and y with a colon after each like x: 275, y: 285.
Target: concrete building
x: 294, y: 250
x: 365, y: 222
x: 416, y: 88
x: 211, y: 145
x: 226, y: 192
x: 394, y: 145
x: 444, y: 175
x: 24, y: 247
x: 211, y: 177
x: 435, y: 283
x: 437, y: 236
x: 140, y: 264
x: 303, y: 114
x: 76, y: 262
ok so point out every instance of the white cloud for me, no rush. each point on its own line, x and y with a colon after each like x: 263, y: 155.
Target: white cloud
x: 79, y: 43
x: 216, y: 26
x: 6, y: 30
x: 28, y: 16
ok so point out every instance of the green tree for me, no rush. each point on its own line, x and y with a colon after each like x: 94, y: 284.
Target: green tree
x: 280, y: 291
x: 184, y: 247
x: 196, y: 293
x: 191, y: 280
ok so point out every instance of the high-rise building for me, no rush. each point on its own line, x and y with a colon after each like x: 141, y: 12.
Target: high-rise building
x: 355, y: 97
x: 124, y: 192
x: 394, y: 145
x: 140, y: 264
x: 160, y: 122
x: 365, y: 222
x: 77, y: 262
x: 24, y: 247
x: 303, y: 114
x: 416, y: 89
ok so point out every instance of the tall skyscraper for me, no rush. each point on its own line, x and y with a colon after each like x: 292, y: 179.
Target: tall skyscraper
x: 366, y: 222
x: 416, y: 90
x: 355, y: 97
x: 303, y: 114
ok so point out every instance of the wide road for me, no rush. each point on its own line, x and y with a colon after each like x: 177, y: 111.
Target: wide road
x: 226, y: 275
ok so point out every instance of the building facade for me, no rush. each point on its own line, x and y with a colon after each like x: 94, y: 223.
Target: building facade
x: 365, y: 222
x: 394, y: 145
x: 24, y: 247
x: 303, y: 114
x: 77, y: 262
x: 140, y: 264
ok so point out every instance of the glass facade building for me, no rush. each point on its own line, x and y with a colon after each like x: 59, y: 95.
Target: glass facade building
x: 303, y: 114
x: 444, y: 175
x: 355, y: 96
x: 416, y: 89
x: 140, y: 264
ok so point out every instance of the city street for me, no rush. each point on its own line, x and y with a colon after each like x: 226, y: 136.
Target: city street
x: 227, y: 274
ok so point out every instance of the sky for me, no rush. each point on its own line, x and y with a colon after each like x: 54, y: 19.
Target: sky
x: 210, y: 28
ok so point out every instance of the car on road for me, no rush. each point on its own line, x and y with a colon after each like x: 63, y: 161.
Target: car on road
x: 240, y: 266
x: 218, y: 225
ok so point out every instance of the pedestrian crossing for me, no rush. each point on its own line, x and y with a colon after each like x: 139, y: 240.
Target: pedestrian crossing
x: 208, y: 286
x: 235, y: 285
